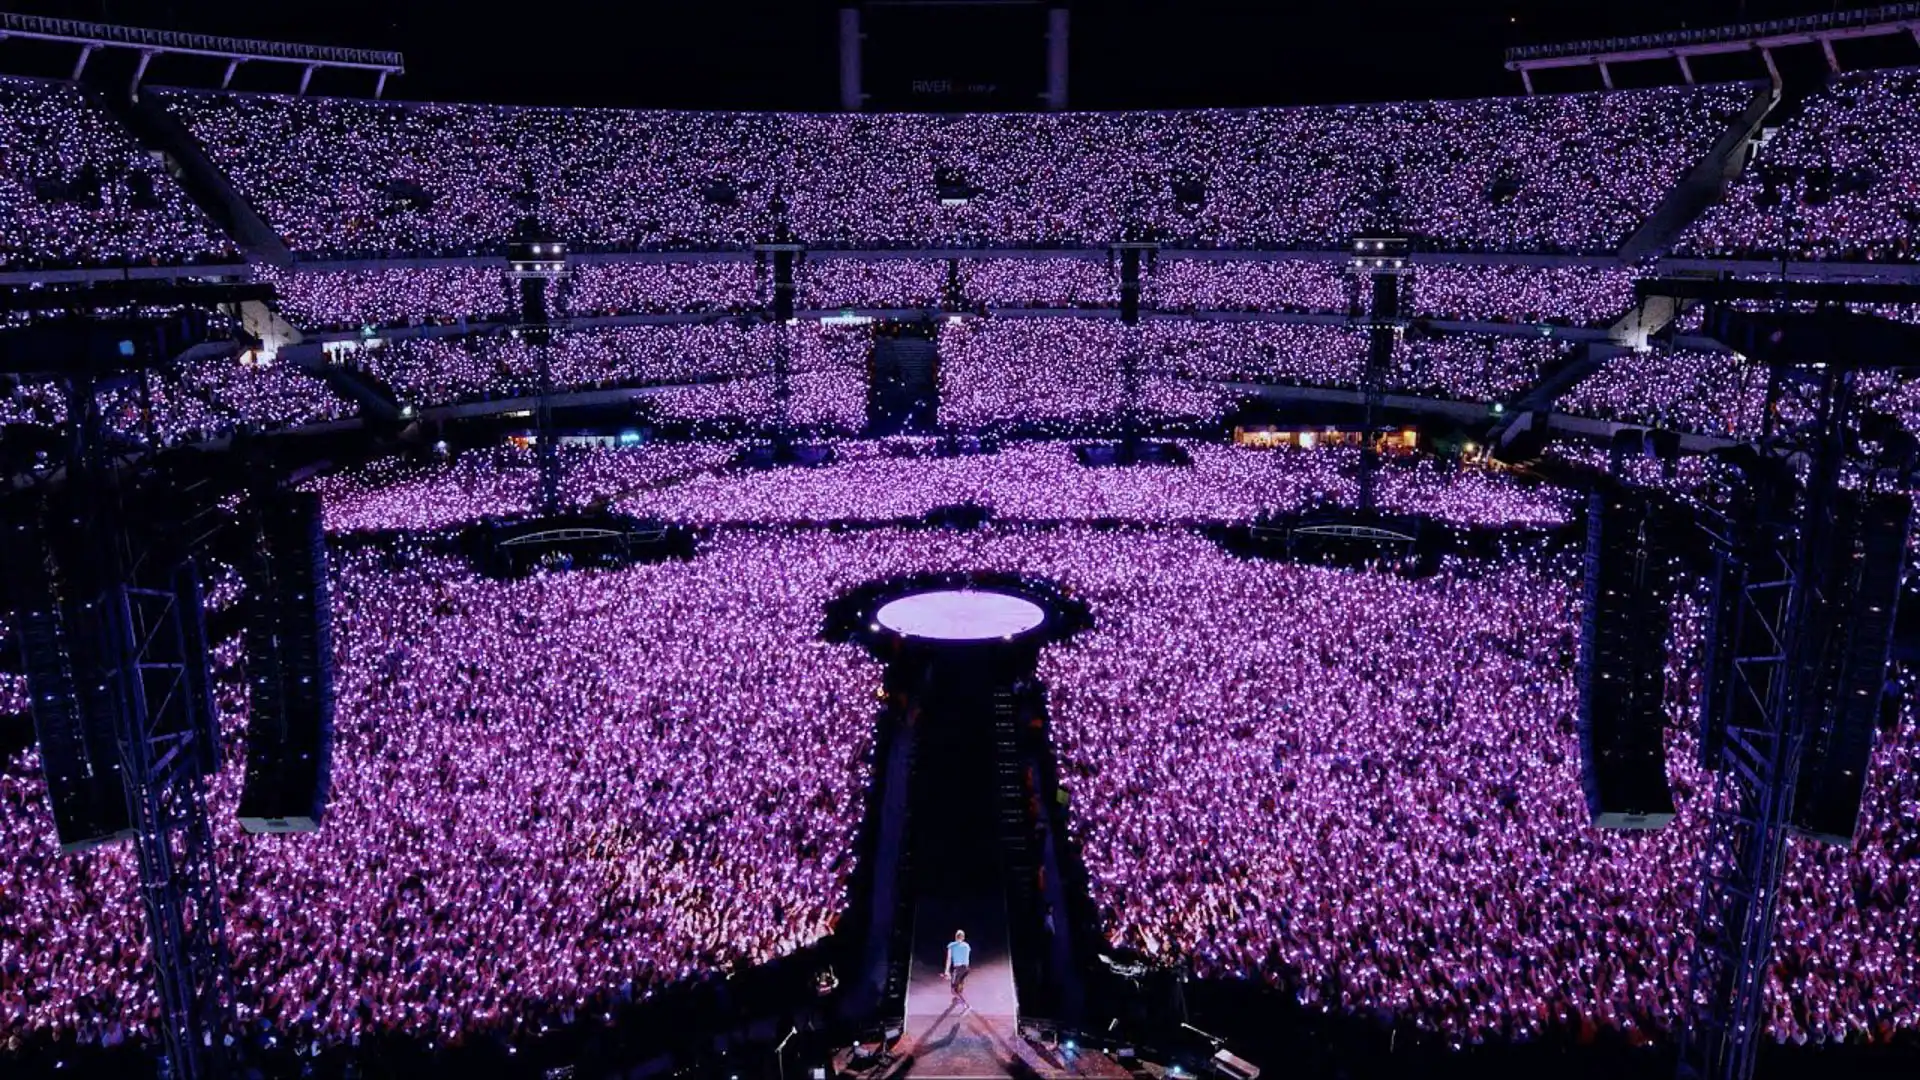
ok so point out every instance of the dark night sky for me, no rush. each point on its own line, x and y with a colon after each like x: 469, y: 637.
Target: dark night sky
x: 736, y: 54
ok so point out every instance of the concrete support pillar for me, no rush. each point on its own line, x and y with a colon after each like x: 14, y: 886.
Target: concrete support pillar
x: 852, y: 99
x: 1833, y: 62
x: 80, y: 65
x: 140, y: 72
x: 1686, y: 70
x: 305, y: 78
x: 1526, y: 79
x: 226, y: 81
x: 1606, y: 76
x: 1057, y: 58
x: 1772, y: 68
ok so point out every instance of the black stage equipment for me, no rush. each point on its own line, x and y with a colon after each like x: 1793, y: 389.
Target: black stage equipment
x: 73, y: 714
x: 1856, y: 613
x: 289, y: 652
x: 1622, y: 672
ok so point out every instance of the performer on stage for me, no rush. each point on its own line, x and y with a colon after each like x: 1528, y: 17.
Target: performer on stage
x: 958, y: 953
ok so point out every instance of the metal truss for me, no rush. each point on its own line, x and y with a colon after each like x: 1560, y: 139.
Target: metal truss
x: 1762, y: 691
x: 138, y: 595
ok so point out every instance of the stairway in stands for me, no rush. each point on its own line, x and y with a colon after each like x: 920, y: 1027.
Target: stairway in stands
x: 1695, y: 191
x: 375, y: 397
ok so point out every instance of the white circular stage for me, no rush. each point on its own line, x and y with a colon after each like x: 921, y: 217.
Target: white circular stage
x: 960, y: 615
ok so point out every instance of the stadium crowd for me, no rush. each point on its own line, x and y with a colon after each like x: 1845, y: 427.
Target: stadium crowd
x: 1391, y: 815
x: 1053, y: 376
x: 1704, y: 393
x: 1375, y: 802
x: 1835, y: 182
x: 664, y: 288
x: 477, y: 871
x: 77, y: 190
x: 901, y: 480
x: 451, y: 178
x: 264, y: 395
x: 1562, y: 295
x: 1040, y: 283
x: 477, y: 367
x: 856, y: 283
x: 321, y: 300
x: 1303, y: 285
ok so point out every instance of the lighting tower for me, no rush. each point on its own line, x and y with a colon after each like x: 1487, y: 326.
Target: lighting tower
x: 1380, y: 268
x: 783, y: 252
x: 105, y: 591
x: 538, y: 262
x: 1802, y: 618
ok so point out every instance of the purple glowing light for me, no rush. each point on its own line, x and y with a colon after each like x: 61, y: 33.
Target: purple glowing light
x: 960, y: 615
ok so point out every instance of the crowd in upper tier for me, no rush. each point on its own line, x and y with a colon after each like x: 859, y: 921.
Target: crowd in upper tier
x: 76, y: 189
x: 1547, y: 174
x: 1836, y: 182
x: 1564, y: 173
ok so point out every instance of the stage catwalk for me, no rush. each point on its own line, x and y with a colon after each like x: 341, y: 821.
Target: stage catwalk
x: 980, y: 1038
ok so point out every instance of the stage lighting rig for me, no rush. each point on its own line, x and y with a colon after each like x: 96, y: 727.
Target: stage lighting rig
x: 1380, y: 266
x: 1370, y: 254
x: 543, y: 258
x: 1804, y: 593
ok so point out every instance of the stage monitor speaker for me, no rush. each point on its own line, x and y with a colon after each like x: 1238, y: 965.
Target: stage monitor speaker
x: 289, y: 654
x: 1622, y: 671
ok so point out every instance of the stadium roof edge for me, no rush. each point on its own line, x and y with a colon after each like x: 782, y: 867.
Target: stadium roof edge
x: 89, y: 36
x: 1679, y: 45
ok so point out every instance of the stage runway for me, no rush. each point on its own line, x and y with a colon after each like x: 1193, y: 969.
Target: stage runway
x: 946, y: 1039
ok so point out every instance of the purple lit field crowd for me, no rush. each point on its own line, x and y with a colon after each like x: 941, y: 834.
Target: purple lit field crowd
x: 1385, y: 783
x: 1359, y: 788
x: 478, y: 870
x: 1386, y: 787
x: 371, y: 178
x: 900, y: 479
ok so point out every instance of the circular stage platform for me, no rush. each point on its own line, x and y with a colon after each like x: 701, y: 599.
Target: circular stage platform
x: 960, y: 615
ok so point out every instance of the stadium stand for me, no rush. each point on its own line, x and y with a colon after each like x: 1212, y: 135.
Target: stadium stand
x: 1505, y: 180
x: 77, y: 191
x: 1834, y: 183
